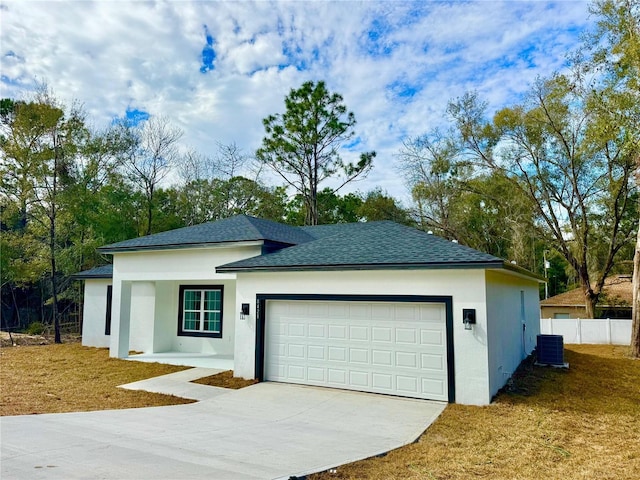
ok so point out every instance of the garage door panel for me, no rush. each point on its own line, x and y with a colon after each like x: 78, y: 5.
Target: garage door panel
x: 359, y: 310
x: 317, y: 330
x: 296, y: 351
x: 382, y: 381
x: 337, y: 354
x: 358, y: 378
x: 337, y: 376
x: 407, y: 384
x: 280, y: 329
x: 431, y: 337
x: 278, y: 349
x: 297, y: 330
x: 338, y: 310
x: 432, y: 362
x: 296, y: 372
x: 318, y: 309
x: 316, y: 352
x: 381, y: 311
x: 381, y: 358
x: 407, y: 359
x: 381, y: 334
x: 358, y: 346
x: 337, y: 332
x: 434, y: 387
x: 359, y: 333
x: 408, y: 312
x: 316, y: 374
x: 299, y: 309
x: 359, y: 355
x: 432, y: 313
x: 406, y: 335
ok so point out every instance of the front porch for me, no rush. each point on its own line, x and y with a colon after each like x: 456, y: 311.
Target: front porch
x: 200, y: 360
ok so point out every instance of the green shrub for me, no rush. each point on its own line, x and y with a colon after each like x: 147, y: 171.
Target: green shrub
x: 35, y: 328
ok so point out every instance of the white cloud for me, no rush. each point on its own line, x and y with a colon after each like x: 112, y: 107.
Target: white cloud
x: 111, y: 55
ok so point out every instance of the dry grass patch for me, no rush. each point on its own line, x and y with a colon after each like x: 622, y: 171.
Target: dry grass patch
x: 571, y: 424
x: 23, y: 339
x: 225, y: 380
x: 70, y: 378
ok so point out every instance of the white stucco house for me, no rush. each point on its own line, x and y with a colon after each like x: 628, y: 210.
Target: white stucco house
x: 375, y: 307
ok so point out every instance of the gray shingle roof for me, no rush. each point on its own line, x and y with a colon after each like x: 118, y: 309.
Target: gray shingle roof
x: 105, y: 271
x: 365, y: 246
x: 321, y: 231
x: 240, y: 228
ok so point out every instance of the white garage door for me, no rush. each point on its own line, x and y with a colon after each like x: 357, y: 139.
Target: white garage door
x: 393, y: 348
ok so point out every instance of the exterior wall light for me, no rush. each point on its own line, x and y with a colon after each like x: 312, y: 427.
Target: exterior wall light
x: 468, y: 317
x: 244, y: 311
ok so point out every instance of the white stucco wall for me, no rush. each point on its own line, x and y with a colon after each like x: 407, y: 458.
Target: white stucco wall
x: 154, y: 278
x: 143, y: 303
x: 166, y: 311
x: 94, y: 313
x: 508, y: 342
x: 467, y: 287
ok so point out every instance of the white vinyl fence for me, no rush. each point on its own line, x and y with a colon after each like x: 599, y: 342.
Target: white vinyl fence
x: 588, y: 330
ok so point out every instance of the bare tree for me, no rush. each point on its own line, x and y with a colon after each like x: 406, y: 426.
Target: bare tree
x: 430, y: 166
x: 228, y: 162
x: 153, y: 151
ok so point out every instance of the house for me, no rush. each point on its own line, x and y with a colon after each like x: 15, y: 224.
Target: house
x: 375, y: 307
x: 614, y: 302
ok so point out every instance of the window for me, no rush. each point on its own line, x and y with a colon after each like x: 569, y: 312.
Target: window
x: 200, y: 311
x: 107, y: 324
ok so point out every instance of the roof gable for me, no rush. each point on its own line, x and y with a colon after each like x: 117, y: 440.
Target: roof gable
x: 241, y: 228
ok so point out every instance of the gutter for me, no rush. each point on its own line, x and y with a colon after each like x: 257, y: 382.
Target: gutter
x: 386, y: 266
x: 180, y: 246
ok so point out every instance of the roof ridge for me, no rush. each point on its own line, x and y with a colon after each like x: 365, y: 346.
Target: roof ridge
x: 237, y: 228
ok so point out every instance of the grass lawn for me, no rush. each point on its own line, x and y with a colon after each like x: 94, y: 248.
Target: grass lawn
x: 225, y: 380
x: 580, y: 423
x: 71, y: 378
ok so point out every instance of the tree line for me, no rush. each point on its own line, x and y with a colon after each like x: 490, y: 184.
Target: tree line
x: 553, y: 176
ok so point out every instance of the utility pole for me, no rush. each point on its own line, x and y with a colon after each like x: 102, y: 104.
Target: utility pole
x: 547, y: 265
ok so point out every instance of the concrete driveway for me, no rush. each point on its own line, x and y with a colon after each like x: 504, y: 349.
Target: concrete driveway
x: 268, y: 430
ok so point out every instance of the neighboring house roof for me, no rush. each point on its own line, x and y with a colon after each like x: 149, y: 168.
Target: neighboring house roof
x: 105, y: 271
x: 617, y: 291
x: 369, y: 245
x: 240, y: 228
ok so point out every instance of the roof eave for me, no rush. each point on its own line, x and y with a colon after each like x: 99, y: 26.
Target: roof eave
x: 369, y: 266
x: 91, y: 277
x: 567, y: 305
x: 523, y: 271
x: 581, y: 305
x: 181, y: 246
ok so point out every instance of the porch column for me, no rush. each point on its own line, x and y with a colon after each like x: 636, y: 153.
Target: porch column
x: 120, y: 320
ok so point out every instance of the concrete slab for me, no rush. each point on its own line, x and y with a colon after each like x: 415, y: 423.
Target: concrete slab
x: 180, y: 385
x: 268, y: 430
x: 203, y: 360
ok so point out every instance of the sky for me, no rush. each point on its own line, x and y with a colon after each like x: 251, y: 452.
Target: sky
x: 217, y: 68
